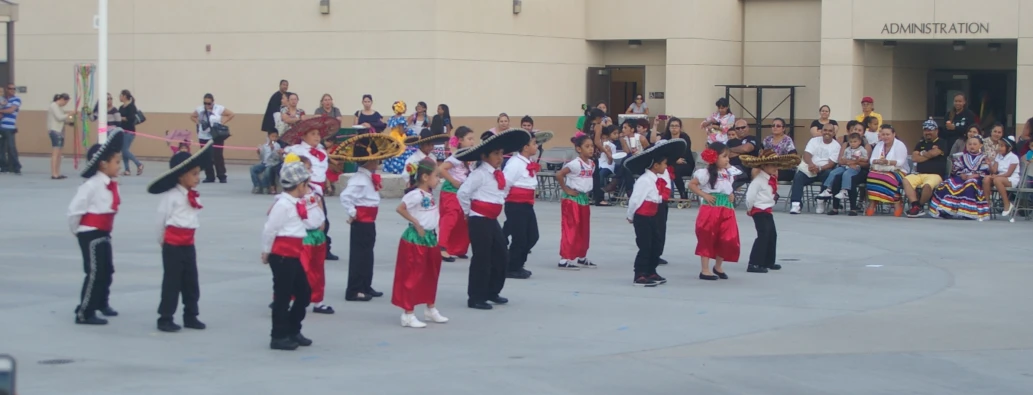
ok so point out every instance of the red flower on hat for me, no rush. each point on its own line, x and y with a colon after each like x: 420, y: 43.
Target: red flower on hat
x: 709, y: 156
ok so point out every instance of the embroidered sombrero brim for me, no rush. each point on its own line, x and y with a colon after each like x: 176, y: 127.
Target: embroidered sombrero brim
x: 326, y: 126
x: 509, y: 141
x: 663, y: 149
x: 378, y: 146
x: 180, y: 164
x: 111, y: 145
x: 542, y: 136
x: 790, y: 161
x: 437, y: 138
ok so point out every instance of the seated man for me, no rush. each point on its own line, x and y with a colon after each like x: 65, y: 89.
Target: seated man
x: 740, y: 142
x: 820, y: 158
x: 930, y: 157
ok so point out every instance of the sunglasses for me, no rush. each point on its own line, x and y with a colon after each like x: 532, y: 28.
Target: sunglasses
x: 740, y: 128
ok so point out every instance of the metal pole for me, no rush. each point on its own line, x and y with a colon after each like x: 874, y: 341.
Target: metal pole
x: 10, y: 52
x: 102, y: 67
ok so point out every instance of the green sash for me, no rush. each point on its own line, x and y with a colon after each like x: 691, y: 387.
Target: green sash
x: 720, y: 200
x: 429, y: 239
x: 580, y: 198
x: 448, y: 187
x: 314, y: 237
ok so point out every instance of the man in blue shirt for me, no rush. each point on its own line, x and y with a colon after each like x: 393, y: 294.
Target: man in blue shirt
x: 8, y: 128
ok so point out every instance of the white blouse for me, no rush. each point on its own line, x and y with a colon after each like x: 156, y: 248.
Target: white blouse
x: 459, y: 171
x: 1004, y: 162
x: 517, y: 175
x: 283, y: 220
x: 214, y: 117
x: 480, y: 185
x: 360, y: 192
x: 898, y: 152
x: 92, y: 196
x: 422, y: 206
x: 580, y: 176
x: 644, y: 191
x: 319, y: 167
x: 174, y: 210
x: 725, y: 177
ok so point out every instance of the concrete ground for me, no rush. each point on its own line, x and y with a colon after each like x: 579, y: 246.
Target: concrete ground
x: 863, y: 306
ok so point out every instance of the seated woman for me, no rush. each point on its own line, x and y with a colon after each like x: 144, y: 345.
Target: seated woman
x: 1004, y: 173
x: 782, y: 144
x: 961, y: 196
x: 888, y: 165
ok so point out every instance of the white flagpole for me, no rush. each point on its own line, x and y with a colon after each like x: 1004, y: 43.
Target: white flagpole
x: 102, y: 69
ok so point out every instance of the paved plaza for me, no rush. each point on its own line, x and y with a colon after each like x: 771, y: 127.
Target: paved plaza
x: 863, y: 306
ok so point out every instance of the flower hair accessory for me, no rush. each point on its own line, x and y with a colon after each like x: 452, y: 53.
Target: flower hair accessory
x: 709, y: 156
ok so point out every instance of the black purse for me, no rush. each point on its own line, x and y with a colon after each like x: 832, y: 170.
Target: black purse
x: 218, y: 131
x: 140, y: 117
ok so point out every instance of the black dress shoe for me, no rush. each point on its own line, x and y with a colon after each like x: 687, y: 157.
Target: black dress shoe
x: 323, y: 310
x: 168, y: 326
x: 302, y: 340
x: 286, y: 344
x: 108, y: 312
x: 479, y: 305
x: 774, y: 266
x: 756, y: 269
x: 526, y: 272
x: 332, y: 257
x: 463, y: 256
x: 708, y: 278
x: 208, y: 181
x: 498, y: 300
x: 663, y: 261
x: 91, y: 321
x: 721, y: 275
x: 448, y: 259
x: 374, y: 293
x: 520, y: 275
x: 222, y: 180
x: 193, y: 323
x: 357, y: 298
x: 657, y: 279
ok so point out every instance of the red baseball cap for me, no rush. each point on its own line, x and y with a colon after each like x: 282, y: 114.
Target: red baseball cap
x: 867, y: 99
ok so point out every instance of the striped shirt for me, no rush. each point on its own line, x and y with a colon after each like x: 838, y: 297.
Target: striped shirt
x: 10, y: 121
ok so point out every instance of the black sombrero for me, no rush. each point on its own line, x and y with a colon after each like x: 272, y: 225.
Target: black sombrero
x: 510, y: 141
x: 663, y: 149
x: 110, y: 146
x: 427, y: 136
x: 180, y: 163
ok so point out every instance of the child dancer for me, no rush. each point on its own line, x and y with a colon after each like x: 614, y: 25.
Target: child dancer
x: 282, y: 241
x: 91, y: 216
x: 521, y: 223
x: 418, y: 265
x: 177, y: 222
x: 454, y: 236
x: 717, y: 233
x: 481, y: 196
x: 649, y: 196
x: 313, y: 250
x: 361, y: 198
x: 424, y: 148
x: 760, y: 198
x: 309, y: 145
x: 575, y: 179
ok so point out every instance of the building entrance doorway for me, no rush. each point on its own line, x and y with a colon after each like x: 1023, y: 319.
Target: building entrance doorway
x: 616, y: 86
x: 990, y: 94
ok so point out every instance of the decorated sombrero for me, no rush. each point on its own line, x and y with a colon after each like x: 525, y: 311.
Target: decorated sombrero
x: 180, y: 163
x: 542, y: 136
x: 326, y: 126
x: 509, y: 141
x: 663, y: 149
x: 426, y: 137
x: 111, y: 145
x: 367, y: 147
x: 768, y: 157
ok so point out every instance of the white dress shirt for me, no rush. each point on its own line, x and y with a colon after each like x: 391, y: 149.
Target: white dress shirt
x: 360, y: 192
x: 759, y: 194
x: 92, y: 197
x: 422, y: 207
x: 174, y: 210
x: 319, y: 167
x: 517, y: 175
x: 644, y: 191
x: 898, y: 152
x: 580, y: 176
x: 315, y: 209
x: 283, y: 221
x: 480, y: 185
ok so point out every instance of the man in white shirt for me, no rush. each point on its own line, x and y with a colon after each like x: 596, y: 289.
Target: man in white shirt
x: 819, y: 158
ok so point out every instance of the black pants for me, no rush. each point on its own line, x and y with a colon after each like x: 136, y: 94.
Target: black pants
x: 99, y: 266
x: 661, y: 225
x: 837, y: 184
x: 801, y: 181
x: 597, y: 184
x: 180, y: 264
x: 679, y: 182
x: 763, y: 253
x: 786, y: 175
x: 326, y: 222
x: 650, y: 243
x: 360, y: 258
x: 289, y: 281
x: 218, y: 162
x: 744, y: 178
x: 9, y: 151
x: 488, y: 262
x: 522, y: 226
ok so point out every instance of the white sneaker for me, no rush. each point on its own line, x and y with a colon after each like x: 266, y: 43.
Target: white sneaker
x: 1007, y: 213
x: 819, y: 208
x: 843, y: 195
x: 433, y: 315
x: 795, y: 208
x: 568, y: 265
x: 409, y: 320
x: 825, y: 194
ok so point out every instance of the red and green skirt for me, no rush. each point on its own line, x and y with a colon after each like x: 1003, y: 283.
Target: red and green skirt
x: 454, y: 235
x: 416, y: 269
x: 575, y: 226
x: 717, y: 232
x: 313, y: 259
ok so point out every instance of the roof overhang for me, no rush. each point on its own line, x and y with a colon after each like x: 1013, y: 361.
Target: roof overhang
x: 9, y: 10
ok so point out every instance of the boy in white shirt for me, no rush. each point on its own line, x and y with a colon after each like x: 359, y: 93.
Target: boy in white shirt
x: 651, y: 192
x: 760, y: 198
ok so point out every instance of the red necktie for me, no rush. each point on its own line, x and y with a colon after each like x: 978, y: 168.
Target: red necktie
x: 192, y: 196
x: 774, y: 184
x: 115, y: 199
x: 500, y: 179
x: 661, y: 187
x: 376, y: 182
x: 317, y: 153
x: 533, y: 168
x: 302, y: 210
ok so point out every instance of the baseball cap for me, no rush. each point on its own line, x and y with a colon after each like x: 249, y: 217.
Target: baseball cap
x: 867, y: 99
x: 929, y: 125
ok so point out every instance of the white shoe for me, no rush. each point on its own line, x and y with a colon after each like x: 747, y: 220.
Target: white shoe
x: 433, y: 315
x: 795, y: 208
x: 568, y: 265
x: 843, y: 195
x: 409, y: 320
x: 825, y: 194
x: 1007, y: 213
x: 819, y: 208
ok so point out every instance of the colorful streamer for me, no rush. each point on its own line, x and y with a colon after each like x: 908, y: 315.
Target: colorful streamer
x: 84, y: 84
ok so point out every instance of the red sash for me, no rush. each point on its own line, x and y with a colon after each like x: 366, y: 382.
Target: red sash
x: 758, y: 210
x: 488, y: 210
x: 179, y: 237
x: 366, y: 214
x: 520, y: 195
x: 322, y: 186
x: 647, y: 209
x: 287, y: 247
x: 103, y: 222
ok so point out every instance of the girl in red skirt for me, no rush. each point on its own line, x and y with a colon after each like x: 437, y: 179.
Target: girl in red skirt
x: 575, y: 179
x: 717, y: 233
x: 453, y: 235
x: 417, y: 267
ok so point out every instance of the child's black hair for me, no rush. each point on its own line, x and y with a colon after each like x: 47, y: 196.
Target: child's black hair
x: 868, y: 121
x: 854, y: 136
x: 579, y: 140
x: 527, y: 119
x: 608, y: 130
x: 462, y: 131
x: 105, y: 157
x: 426, y: 166
x: 272, y: 132
x: 712, y: 167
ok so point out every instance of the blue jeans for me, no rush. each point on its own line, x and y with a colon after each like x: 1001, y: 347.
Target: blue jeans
x: 127, y: 155
x: 847, y: 174
x: 801, y: 180
x: 261, y: 175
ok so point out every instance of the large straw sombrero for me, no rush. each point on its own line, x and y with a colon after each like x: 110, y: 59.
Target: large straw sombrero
x: 111, y: 145
x: 663, y: 149
x: 367, y: 147
x: 542, y: 136
x: 509, y: 141
x: 768, y: 157
x: 426, y: 137
x: 180, y: 163
x: 326, y: 126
